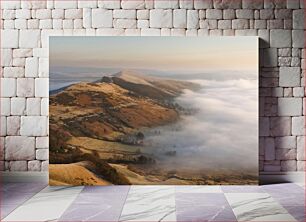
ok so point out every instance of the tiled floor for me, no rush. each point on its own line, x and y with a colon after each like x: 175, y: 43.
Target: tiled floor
x: 39, y: 202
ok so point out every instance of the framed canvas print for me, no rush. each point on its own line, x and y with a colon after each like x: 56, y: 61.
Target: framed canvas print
x: 153, y: 110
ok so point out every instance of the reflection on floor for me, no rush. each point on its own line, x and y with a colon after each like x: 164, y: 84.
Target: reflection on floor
x: 39, y: 202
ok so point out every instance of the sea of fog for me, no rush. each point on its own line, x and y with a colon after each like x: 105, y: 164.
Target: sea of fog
x: 222, y: 134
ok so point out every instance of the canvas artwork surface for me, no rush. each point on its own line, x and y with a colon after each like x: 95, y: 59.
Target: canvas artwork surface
x: 153, y: 110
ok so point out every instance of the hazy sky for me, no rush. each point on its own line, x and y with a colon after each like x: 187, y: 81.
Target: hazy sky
x: 160, y: 53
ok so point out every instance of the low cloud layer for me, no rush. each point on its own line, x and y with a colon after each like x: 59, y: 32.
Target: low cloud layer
x: 222, y: 134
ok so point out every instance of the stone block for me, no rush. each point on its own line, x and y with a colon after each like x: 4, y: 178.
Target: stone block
x: 298, y: 126
x: 34, y: 165
x: 109, y: 4
x: 240, y: 24
x: 224, y: 24
x: 58, y: 13
x: 280, y: 38
x: 29, y: 38
x: 23, y: 14
x: 19, y: 148
x: 269, y: 149
x: 228, y: 14
x: 66, y: 4
x: 298, y: 92
x: 275, y: 24
x: 6, y: 57
x: 13, y: 125
x: 143, y: 14
x: 293, y: 4
x: 150, y: 32
x: 227, y: 4
x: 298, y: 19
x: 264, y: 38
x: 245, y: 14
x: 9, y: 38
x: 20, y: 23
x: 192, y: 19
x: 102, y: 18
x: 19, y: 62
x: 73, y: 13
x: 186, y: 4
x: 22, y: 53
x: 270, y: 57
x: 45, y: 165
x: 8, y: 14
x: 280, y: 126
x: 18, y: 106
x: 125, y: 23
x: 301, y: 148
x: 18, y: 166
x: 13, y: 72
x: 43, y: 67
x: 87, y: 4
x: 298, y: 38
x: 124, y: 14
x: 252, y: 4
x: 5, y: 106
x: 25, y: 87
x: 134, y: 4
x: 142, y: 24
x: 42, y: 142
x: 289, y: 76
x: 160, y: 18
x: 179, y: 18
x: 203, y: 4
x: 264, y: 126
x: 31, y: 67
x: 42, y: 154
x: 43, y: 13
x: 285, y: 142
x: 283, y: 14
x: 166, y: 4
x: 10, y: 4
x: 33, y: 107
x: 2, y: 133
x: 8, y: 87
x: 34, y: 126
x: 285, y: 154
x: 86, y: 18
x: 288, y: 165
x: 289, y: 106
x: 214, y: 14
x: 301, y: 166
x: 41, y: 87
x: 44, y: 107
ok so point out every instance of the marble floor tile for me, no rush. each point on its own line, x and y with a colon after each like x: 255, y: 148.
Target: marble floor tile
x: 242, y: 189
x: 99, y: 203
x: 257, y: 207
x: 289, y: 199
x: 95, y: 207
x: 298, y: 212
x: 282, y: 188
x: 203, y: 207
x: 22, y: 187
x: 150, y: 203
x: 47, y: 205
x: 198, y: 189
x: 15, y: 198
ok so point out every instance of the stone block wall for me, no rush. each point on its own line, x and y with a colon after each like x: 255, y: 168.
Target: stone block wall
x: 26, y: 26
